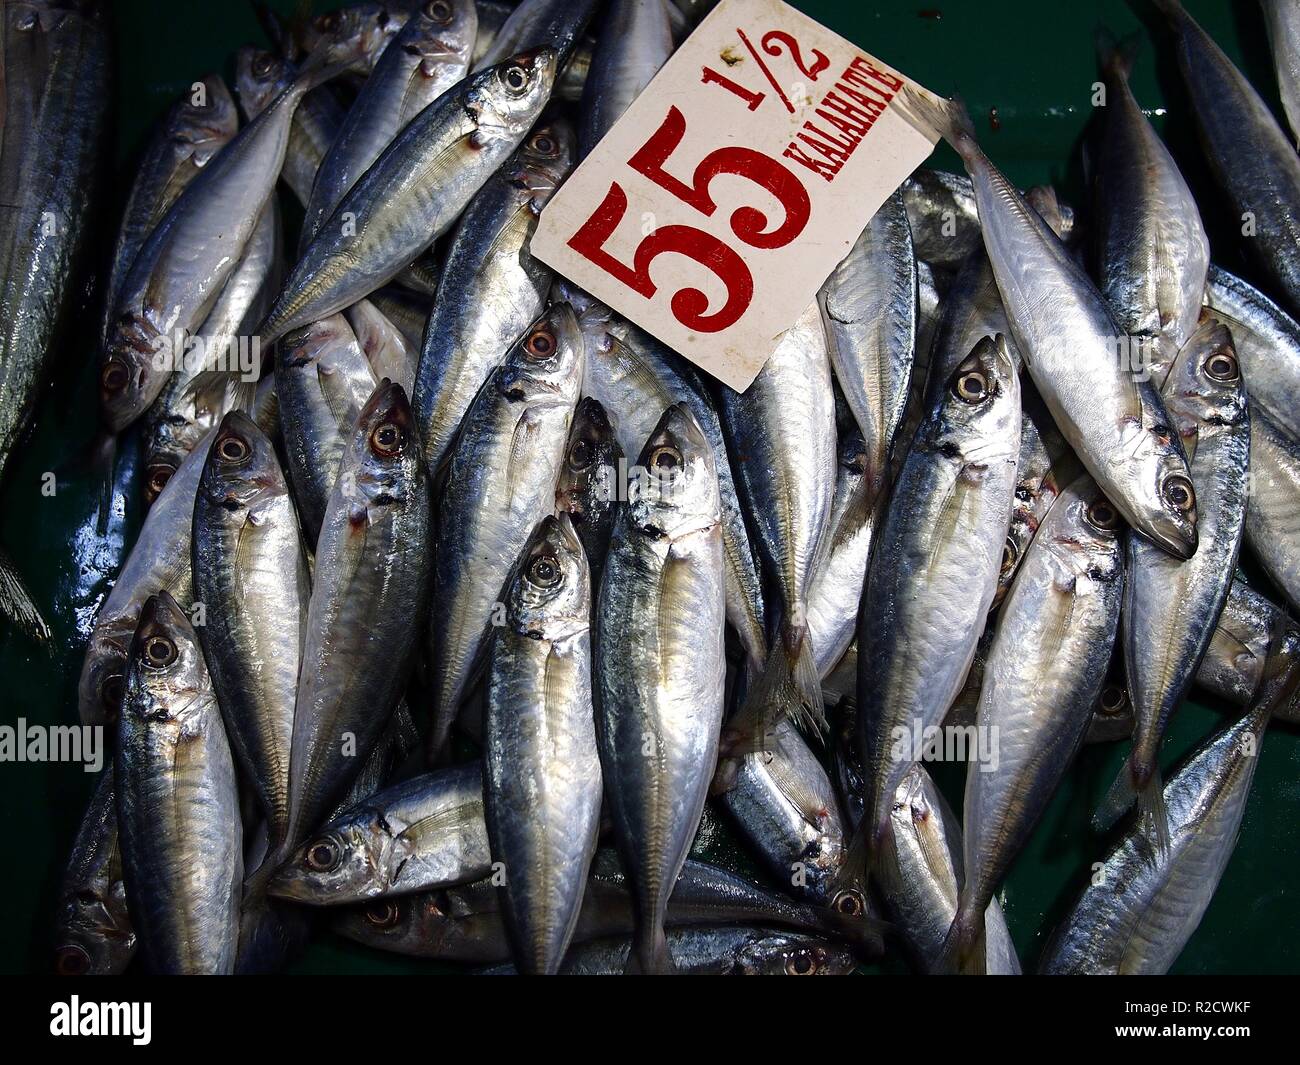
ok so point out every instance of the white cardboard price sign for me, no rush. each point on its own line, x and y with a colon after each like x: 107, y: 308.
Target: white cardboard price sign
x: 721, y: 201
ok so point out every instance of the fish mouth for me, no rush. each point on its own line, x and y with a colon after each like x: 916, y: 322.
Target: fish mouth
x: 1169, y: 535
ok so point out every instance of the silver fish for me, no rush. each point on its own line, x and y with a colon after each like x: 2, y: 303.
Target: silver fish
x: 1267, y: 340
x: 1152, y: 249
x: 660, y: 666
x: 1144, y: 904
x: 385, y: 346
x: 1254, y: 160
x: 261, y: 77
x: 1171, y: 608
x: 93, y: 933
x: 1113, y: 418
x: 424, y: 833
x: 371, y: 579
x: 781, y: 432
x: 177, y: 801
x: 1282, y: 20
x: 1044, y: 673
x: 635, y: 41
x: 159, y: 561
x: 1233, y: 665
x: 427, y: 57
x: 1273, y: 516
x: 322, y: 381
x: 541, y: 772
x: 934, y: 569
x: 491, y: 289
x: 920, y: 872
x: 250, y: 573
x: 633, y: 376
x: 415, y: 190
x: 500, y: 482
x: 553, y: 24
x: 587, y: 489
x: 942, y: 216
x: 198, y: 126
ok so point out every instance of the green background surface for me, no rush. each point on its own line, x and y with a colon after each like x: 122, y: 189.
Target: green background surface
x: 1032, y: 62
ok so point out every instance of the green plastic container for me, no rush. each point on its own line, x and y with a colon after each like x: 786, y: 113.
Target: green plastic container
x: 1026, y: 71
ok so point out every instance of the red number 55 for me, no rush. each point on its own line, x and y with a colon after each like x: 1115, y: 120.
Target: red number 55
x: 688, y: 304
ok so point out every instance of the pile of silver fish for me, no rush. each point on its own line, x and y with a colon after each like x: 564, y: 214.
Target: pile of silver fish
x: 462, y: 603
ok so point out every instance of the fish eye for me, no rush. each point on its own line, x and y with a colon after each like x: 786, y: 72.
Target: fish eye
x: 1009, y: 553
x: 580, y: 455
x: 544, y: 571
x: 1113, y: 699
x: 329, y: 23
x: 543, y: 143
x: 1102, y: 515
x: 1222, y: 366
x: 801, y: 963
x: 387, y: 439
x: 156, y: 478
x: 111, y: 690
x: 159, y: 652
x: 516, y: 79
x: 263, y: 65
x: 114, y: 376
x: 71, y: 960
x: 665, y: 460
x: 324, y: 855
x: 383, y: 913
x: 234, y: 450
x: 850, y: 902
x: 971, y: 386
x: 439, y: 11
x: 1179, y: 493
x: 540, y: 344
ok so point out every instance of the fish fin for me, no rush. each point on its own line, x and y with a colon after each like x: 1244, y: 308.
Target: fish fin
x: 788, y: 687
x: 963, y: 949
x: 650, y: 955
x: 1152, y: 814
x: 211, y: 388
x: 1116, y: 56
x: 1118, y: 801
x: 948, y: 118
x: 17, y: 604
x: 103, y: 464
x: 856, y: 868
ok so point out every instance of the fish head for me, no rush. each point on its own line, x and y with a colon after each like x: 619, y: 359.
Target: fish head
x: 356, y: 34
x: 791, y: 954
x: 351, y: 857
x: 134, y: 369
x: 313, y: 344
x: 1204, y: 388
x: 1163, y: 484
x: 386, y: 450
x: 546, y: 362
x: 590, y: 463
x: 543, y: 160
x: 550, y: 597
x: 673, y: 489
x: 102, y: 685
x: 205, y: 120
x: 441, y: 31
x: 385, y: 921
x: 509, y: 97
x: 1083, y: 532
x: 981, y: 404
x: 260, y: 76
x: 94, y: 935
x: 165, y: 671
x: 241, y: 469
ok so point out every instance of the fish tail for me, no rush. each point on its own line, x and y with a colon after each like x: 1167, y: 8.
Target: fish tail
x: 963, y: 947
x: 1117, y: 56
x: 1153, y: 816
x: 17, y: 605
x: 949, y: 118
x: 650, y: 954
x: 1118, y: 801
x: 103, y: 469
x: 211, y: 389
x: 788, y: 687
